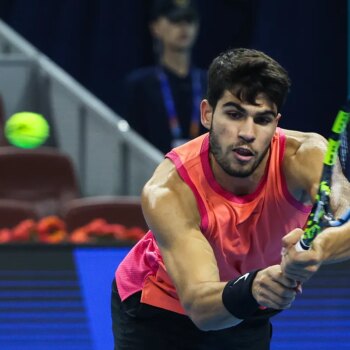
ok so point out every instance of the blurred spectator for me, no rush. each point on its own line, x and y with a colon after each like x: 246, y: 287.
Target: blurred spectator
x: 162, y: 102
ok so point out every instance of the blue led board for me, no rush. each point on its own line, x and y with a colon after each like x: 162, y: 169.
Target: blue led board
x: 59, y: 298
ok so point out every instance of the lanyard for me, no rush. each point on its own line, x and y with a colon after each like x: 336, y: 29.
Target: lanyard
x: 174, y: 124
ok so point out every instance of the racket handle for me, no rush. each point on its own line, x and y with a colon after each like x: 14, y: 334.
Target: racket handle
x: 301, y: 247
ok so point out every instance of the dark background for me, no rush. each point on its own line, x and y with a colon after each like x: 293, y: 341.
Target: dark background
x: 99, y: 41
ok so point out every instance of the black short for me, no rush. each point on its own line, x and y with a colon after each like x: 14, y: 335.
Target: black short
x: 138, y: 326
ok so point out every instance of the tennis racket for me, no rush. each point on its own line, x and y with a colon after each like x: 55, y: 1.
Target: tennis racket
x: 321, y: 215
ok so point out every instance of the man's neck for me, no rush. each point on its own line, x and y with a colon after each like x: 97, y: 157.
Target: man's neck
x: 177, y: 61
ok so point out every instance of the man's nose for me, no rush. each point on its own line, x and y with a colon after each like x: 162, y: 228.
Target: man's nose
x: 247, y: 130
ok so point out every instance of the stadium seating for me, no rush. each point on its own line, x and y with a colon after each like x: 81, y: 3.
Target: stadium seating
x: 114, y: 209
x: 13, y: 211
x: 42, y: 177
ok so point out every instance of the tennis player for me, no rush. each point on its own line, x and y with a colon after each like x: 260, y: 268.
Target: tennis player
x: 208, y: 275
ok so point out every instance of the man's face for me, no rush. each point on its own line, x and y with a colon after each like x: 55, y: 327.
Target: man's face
x: 240, y: 133
x: 176, y: 36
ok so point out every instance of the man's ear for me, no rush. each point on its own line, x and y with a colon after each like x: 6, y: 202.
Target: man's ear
x: 278, y: 117
x: 206, y: 114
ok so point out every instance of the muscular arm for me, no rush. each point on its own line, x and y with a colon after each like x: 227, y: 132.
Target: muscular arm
x: 303, y: 168
x: 171, y: 212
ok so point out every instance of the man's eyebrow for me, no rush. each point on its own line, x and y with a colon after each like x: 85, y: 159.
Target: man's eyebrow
x: 236, y: 105
x: 266, y: 113
x: 241, y: 109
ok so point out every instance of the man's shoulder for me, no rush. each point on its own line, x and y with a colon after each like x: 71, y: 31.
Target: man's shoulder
x: 300, y: 143
x: 303, y: 161
x: 164, y: 179
x: 165, y: 186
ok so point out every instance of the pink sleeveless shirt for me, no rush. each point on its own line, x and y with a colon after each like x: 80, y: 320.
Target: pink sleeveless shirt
x: 245, y: 232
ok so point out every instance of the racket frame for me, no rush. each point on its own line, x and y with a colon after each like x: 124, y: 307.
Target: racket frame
x: 321, y: 215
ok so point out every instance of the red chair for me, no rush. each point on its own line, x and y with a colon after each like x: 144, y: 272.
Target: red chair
x: 43, y: 177
x: 122, y: 210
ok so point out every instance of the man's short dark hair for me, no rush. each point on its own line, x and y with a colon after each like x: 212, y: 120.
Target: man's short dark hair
x: 250, y: 72
x: 175, y: 10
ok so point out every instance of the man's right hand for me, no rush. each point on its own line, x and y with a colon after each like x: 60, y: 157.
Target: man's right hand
x: 272, y: 289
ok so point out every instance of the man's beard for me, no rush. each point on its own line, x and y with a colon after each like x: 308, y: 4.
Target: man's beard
x: 222, y: 158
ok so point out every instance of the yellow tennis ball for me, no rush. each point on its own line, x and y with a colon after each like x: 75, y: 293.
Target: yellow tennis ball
x: 27, y: 129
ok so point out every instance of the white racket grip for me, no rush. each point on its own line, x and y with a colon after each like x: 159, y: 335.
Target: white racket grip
x: 300, y: 248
